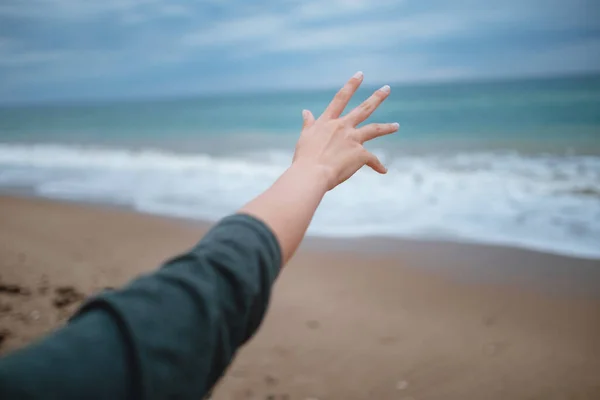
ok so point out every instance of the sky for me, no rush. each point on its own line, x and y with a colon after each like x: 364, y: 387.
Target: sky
x: 72, y: 49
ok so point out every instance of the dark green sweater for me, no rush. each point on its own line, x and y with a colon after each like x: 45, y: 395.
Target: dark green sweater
x: 170, y: 334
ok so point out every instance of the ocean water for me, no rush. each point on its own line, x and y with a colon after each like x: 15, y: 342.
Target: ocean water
x: 514, y: 163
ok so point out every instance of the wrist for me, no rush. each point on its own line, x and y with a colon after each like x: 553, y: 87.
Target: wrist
x: 314, y: 176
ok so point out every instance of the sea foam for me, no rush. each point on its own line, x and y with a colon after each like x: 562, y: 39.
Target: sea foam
x: 545, y: 202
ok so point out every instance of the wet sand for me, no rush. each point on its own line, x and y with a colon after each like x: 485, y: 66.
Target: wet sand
x: 349, y: 319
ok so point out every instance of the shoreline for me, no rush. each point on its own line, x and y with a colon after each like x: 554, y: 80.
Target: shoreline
x: 381, y: 242
x: 365, y: 319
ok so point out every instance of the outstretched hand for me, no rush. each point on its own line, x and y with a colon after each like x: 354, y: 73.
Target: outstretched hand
x: 334, y: 144
x: 329, y: 151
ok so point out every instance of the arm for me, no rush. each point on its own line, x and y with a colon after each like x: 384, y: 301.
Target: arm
x: 288, y: 206
x: 328, y: 152
x: 173, y: 333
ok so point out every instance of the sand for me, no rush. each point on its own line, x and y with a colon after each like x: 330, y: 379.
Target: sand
x: 357, y: 319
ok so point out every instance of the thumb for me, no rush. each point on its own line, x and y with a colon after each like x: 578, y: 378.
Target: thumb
x: 308, y: 118
x: 374, y: 163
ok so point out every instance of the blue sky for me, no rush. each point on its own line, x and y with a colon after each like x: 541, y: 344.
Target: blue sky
x: 68, y: 49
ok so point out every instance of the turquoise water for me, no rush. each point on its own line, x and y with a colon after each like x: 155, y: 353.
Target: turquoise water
x: 499, y: 162
x: 537, y: 115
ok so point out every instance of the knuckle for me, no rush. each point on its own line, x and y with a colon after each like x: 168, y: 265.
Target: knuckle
x: 341, y: 122
x: 367, y: 107
x: 342, y: 94
x: 345, y: 122
x: 337, y: 123
x: 337, y: 126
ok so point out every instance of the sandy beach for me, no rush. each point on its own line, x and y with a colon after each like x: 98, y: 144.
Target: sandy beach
x: 349, y: 319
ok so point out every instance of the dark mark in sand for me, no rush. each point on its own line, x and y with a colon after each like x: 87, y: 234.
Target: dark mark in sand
x: 10, y: 288
x: 4, y: 334
x: 66, y: 295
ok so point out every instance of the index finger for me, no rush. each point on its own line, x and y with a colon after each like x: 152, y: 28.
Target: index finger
x: 362, y: 112
x: 342, y: 97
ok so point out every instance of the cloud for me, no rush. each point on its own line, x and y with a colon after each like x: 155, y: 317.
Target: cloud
x: 32, y: 57
x: 68, y: 9
x: 153, y: 47
x: 236, y: 31
x: 378, y: 34
x: 290, y: 32
x: 321, y: 10
x: 126, y: 11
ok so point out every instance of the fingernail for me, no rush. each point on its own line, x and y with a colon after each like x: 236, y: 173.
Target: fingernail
x: 358, y: 75
x: 385, y: 88
x: 396, y: 125
x: 304, y: 113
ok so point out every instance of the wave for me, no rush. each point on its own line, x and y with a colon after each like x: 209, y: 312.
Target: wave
x: 544, y: 202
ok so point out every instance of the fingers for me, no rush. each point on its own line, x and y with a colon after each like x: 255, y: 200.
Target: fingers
x: 362, y: 112
x: 373, y: 162
x: 341, y: 99
x: 308, y: 118
x: 372, y: 131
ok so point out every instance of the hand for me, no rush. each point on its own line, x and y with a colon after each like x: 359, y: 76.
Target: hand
x: 333, y: 145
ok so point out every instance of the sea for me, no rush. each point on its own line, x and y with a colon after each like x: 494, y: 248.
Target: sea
x: 504, y: 162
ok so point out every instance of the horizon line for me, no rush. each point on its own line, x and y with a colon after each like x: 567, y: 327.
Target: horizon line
x: 83, y: 101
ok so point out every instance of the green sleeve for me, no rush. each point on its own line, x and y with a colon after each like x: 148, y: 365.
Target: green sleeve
x: 170, y: 334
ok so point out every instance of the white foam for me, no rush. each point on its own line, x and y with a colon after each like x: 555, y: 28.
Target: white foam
x: 550, y: 203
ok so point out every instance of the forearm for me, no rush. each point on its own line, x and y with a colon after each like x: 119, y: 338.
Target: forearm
x: 288, y: 206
